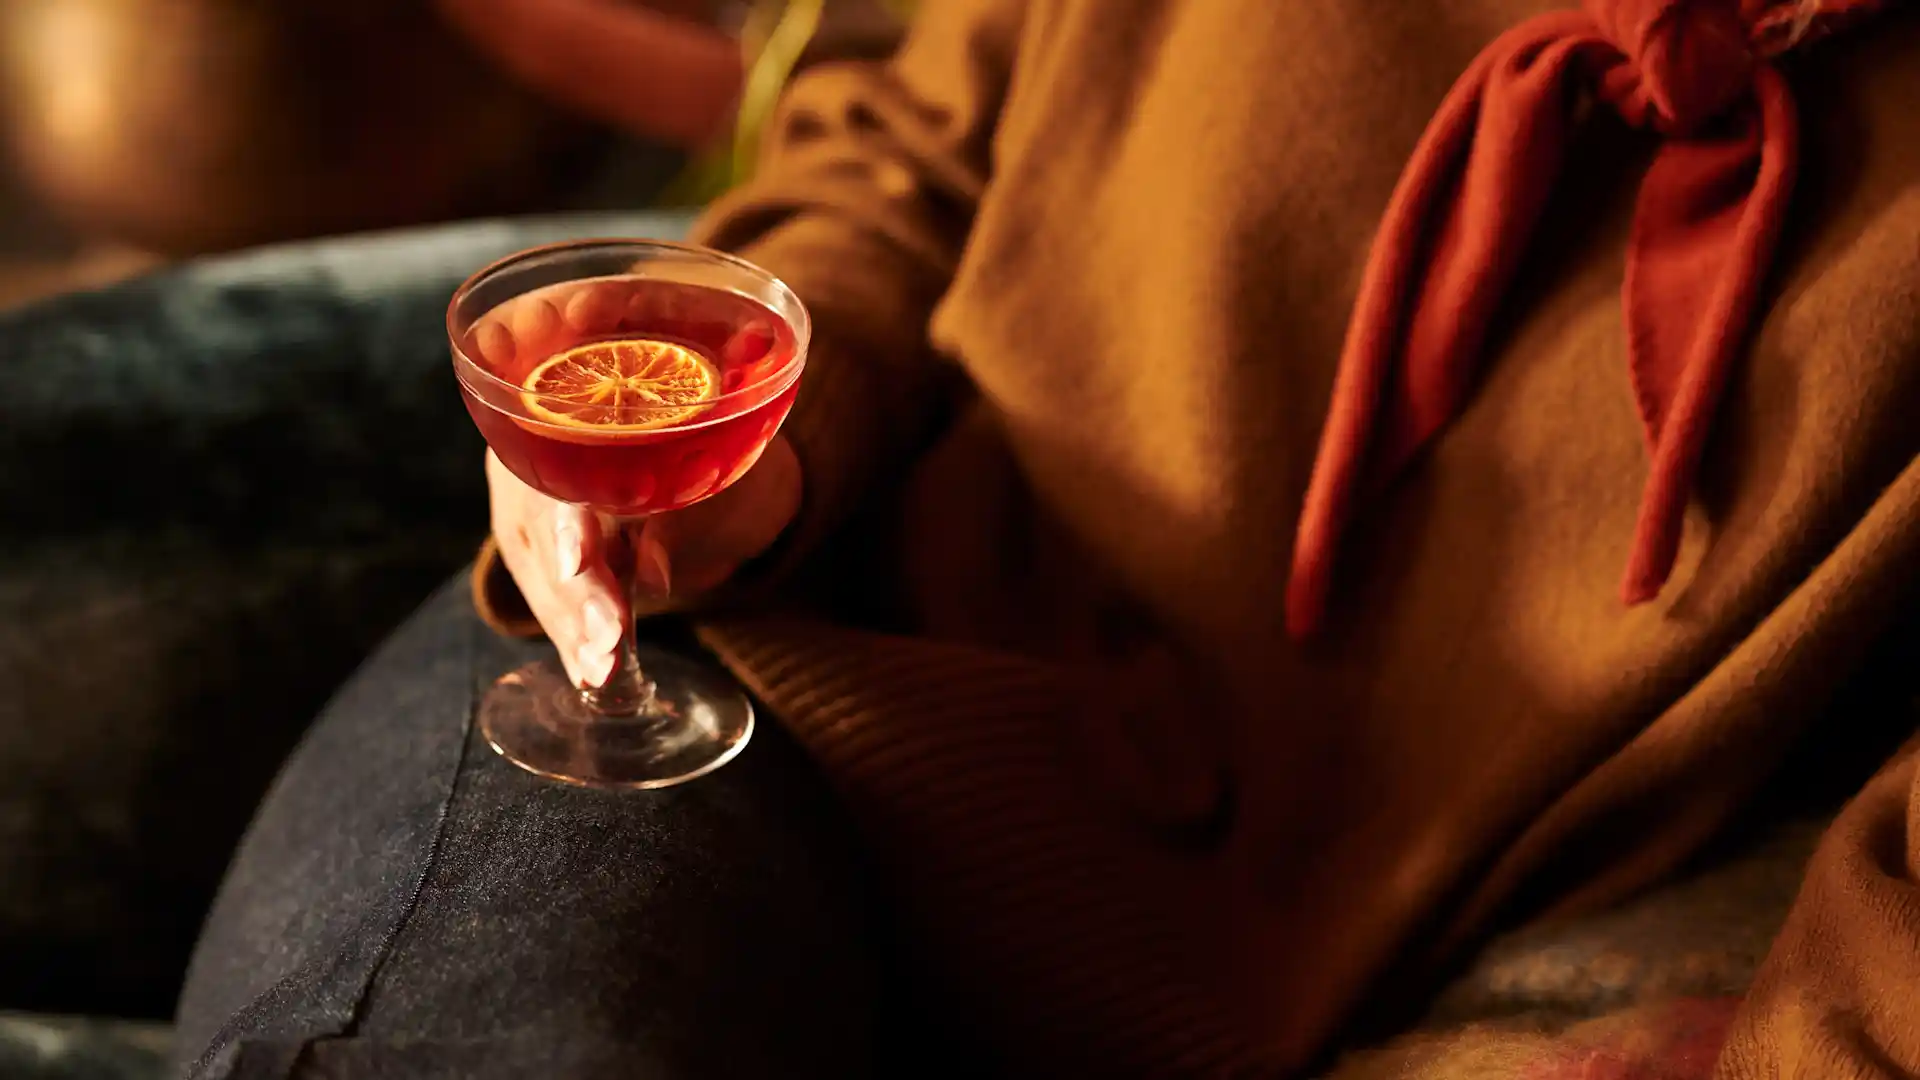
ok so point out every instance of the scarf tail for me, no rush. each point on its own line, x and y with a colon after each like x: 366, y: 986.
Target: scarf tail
x: 1453, y: 234
x: 1705, y: 227
x: 1708, y: 217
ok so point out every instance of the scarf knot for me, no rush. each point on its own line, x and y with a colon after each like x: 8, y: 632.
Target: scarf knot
x: 1682, y: 63
x: 1709, y: 211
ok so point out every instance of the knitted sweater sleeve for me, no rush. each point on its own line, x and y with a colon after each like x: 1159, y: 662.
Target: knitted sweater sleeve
x: 864, y: 196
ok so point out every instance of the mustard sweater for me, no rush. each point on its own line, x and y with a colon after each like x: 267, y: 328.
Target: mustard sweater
x: 1081, y: 273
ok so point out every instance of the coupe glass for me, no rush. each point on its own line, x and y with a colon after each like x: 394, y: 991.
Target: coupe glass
x: 632, y: 378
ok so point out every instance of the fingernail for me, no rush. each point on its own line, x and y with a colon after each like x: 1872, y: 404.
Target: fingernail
x: 592, y: 309
x: 535, y: 321
x: 571, y: 662
x: 600, y: 625
x: 495, y: 344
x: 594, y: 666
x: 656, y: 573
x: 569, y: 548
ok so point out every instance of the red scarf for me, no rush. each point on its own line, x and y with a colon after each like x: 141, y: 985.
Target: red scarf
x: 1710, y: 208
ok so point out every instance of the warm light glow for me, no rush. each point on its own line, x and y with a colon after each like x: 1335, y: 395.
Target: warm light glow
x: 70, y: 39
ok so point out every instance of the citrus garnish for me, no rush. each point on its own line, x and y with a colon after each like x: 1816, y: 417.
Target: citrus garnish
x: 634, y: 385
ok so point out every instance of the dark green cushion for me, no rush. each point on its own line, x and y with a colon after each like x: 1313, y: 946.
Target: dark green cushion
x: 219, y: 486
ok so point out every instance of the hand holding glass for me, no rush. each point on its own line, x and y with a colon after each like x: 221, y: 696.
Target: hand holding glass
x: 631, y: 378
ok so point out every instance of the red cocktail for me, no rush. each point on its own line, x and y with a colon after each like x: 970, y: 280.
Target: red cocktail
x: 632, y: 378
x: 577, y: 410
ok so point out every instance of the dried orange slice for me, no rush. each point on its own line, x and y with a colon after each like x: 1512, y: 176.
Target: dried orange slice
x: 635, y: 385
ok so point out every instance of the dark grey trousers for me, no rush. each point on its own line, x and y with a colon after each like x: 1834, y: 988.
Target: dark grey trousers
x: 406, y: 903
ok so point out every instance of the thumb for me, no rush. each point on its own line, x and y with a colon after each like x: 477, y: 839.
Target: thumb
x: 654, y: 570
x: 701, y: 547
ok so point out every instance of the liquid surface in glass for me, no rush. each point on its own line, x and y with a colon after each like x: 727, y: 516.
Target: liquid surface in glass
x: 630, y: 395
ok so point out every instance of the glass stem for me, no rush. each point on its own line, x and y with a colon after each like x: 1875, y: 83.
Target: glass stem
x: 628, y: 691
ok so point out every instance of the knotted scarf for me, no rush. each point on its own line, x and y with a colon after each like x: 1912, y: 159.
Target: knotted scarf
x: 1697, y: 72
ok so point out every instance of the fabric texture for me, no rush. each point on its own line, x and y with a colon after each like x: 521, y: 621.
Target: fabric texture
x: 1081, y: 274
x: 516, y: 927
x: 407, y: 903
x: 1708, y: 214
x: 223, y: 484
x: 343, y: 306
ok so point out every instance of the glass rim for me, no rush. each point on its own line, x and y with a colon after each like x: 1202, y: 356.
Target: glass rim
x: 466, y: 367
x: 592, y: 434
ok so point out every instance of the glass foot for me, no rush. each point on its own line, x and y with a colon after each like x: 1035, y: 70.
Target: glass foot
x: 697, y: 721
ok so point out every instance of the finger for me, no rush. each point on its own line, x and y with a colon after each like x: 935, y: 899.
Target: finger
x: 582, y: 609
x: 537, y: 327
x: 520, y: 331
x: 599, y: 612
x: 557, y: 617
x: 519, y: 525
x: 579, y: 610
x: 592, y: 308
x: 493, y: 346
x: 587, y: 596
x: 583, y: 617
x: 599, y: 619
x: 706, y: 543
x: 654, y: 570
x: 515, y: 336
x: 577, y: 543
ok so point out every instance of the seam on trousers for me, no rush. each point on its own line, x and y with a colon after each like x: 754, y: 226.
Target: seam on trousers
x: 270, y: 1057
x: 384, y: 952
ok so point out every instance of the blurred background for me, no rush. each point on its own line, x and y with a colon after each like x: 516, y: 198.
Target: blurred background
x: 135, y: 132
x: 232, y: 457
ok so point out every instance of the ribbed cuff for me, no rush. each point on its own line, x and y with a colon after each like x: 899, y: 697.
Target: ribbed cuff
x: 497, y: 598
x: 953, y: 759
